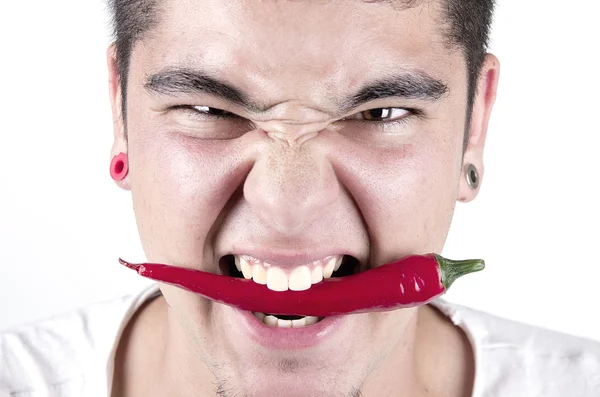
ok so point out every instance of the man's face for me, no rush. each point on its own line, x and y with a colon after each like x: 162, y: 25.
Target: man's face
x: 302, y: 166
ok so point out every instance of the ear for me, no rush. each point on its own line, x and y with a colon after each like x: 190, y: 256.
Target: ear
x: 485, y: 96
x: 116, y: 100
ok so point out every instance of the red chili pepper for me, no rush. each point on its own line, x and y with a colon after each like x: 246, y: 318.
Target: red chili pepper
x: 412, y: 281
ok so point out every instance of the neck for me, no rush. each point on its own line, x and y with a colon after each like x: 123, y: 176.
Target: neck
x: 179, y: 368
x: 154, y: 357
x: 399, y: 370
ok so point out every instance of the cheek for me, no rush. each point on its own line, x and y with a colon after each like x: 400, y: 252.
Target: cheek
x: 405, y: 194
x: 179, y: 187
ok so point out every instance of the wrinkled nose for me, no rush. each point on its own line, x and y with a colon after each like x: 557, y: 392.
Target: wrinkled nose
x: 291, y: 186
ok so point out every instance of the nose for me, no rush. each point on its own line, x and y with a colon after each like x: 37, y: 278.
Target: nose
x: 291, y: 186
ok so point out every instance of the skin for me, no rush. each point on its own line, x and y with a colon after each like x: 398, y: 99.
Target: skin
x: 297, y: 177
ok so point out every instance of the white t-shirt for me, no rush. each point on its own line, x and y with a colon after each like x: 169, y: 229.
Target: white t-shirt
x: 72, y: 355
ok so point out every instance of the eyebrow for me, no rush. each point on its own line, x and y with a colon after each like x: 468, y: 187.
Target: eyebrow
x: 184, y: 81
x: 180, y: 81
x: 408, y: 85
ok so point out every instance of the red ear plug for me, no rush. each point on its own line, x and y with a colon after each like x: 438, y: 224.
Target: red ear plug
x: 119, y: 167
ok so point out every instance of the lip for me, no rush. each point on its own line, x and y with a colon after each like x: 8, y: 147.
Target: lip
x: 287, y: 338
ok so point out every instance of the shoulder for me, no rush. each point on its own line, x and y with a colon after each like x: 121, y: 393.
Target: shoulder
x: 513, y: 358
x: 66, y: 354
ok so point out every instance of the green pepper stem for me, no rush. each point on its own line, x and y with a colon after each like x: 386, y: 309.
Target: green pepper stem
x: 452, y: 270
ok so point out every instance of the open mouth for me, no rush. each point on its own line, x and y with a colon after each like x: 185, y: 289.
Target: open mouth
x: 280, y: 279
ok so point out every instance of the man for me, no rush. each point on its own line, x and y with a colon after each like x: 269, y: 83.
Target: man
x: 275, y: 136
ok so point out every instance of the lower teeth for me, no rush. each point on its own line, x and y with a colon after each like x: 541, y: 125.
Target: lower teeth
x: 273, y: 321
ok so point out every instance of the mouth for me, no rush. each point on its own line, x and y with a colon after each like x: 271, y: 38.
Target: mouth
x: 302, y: 306
x: 281, y: 279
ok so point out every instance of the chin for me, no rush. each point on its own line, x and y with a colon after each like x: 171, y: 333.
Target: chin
x: 290, y: 381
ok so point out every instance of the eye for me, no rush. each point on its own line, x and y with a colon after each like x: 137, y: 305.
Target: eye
x: 202, y: 112
x: 206, y: 122
x: 383, y: 114
x: 209, y: 111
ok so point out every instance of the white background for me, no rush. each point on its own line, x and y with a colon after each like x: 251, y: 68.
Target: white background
x: 63, y: 223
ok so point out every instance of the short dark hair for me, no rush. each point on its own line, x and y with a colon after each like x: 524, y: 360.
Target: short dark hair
x: 468, y: 27
x: 131, y: 19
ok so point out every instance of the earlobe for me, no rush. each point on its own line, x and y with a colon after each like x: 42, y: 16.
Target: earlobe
x: 483, y: 103
x: 470, y: 182
x: 119, y: 166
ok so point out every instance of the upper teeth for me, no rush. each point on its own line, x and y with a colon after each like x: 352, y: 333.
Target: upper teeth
x: 279, y: 279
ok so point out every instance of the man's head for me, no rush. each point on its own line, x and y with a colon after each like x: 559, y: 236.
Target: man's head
x: 291, y: 131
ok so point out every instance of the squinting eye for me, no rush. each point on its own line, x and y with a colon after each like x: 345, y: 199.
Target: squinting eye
x: 211, y: 111
x: 383, y: 114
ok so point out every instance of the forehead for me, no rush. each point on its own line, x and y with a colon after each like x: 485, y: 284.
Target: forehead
x: 291, y: 46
